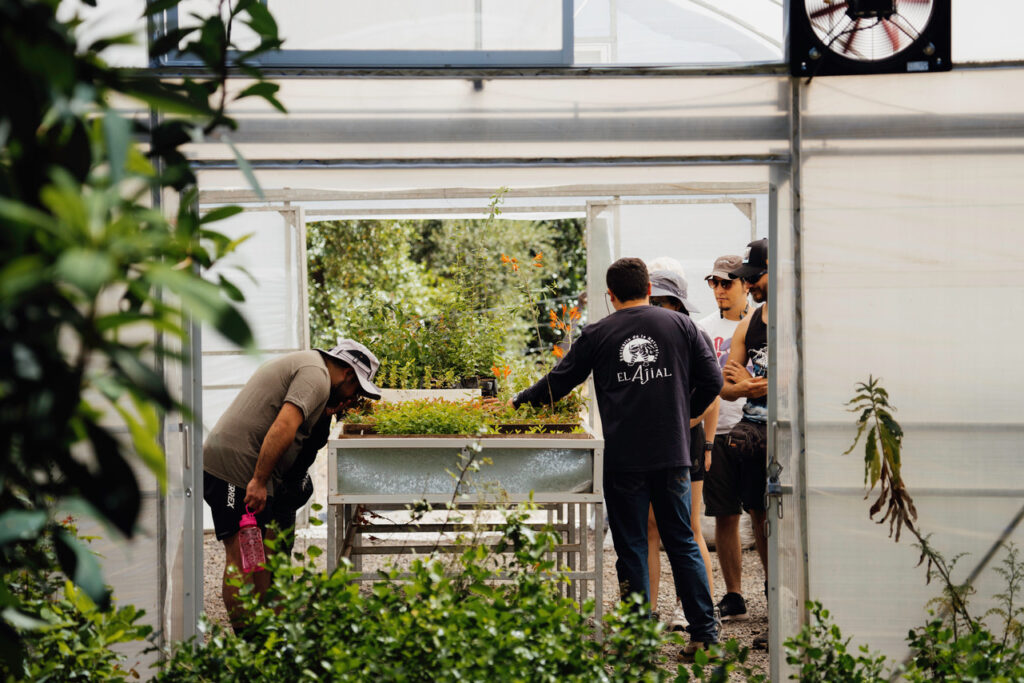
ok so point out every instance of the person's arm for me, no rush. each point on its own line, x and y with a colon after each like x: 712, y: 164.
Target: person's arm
x: 276, y: 441
x: 738, y: 382
x: 710, y: 425
x: 316, y: 440
x: 569, y: 373
x: 705, y: 375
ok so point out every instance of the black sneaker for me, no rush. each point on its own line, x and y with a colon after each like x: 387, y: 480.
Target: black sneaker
x: 732, y: 607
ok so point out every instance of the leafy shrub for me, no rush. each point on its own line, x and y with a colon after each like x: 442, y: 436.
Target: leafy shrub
x: 451, y: 622
x: 438, y: 416
x: 429, y: 417
x: 820, y: 653
x: 65, y: 636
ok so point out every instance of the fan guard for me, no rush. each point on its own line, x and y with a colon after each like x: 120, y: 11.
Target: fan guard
x: 868, y: 30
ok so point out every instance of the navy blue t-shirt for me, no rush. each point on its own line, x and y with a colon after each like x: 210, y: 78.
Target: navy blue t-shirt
x: 646, y: 361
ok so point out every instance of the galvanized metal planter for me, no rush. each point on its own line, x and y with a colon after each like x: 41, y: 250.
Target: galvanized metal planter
x: 562, y: 473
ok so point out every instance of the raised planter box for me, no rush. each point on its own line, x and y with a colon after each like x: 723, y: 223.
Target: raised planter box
x: 555, y: 467
x: 562, y: 472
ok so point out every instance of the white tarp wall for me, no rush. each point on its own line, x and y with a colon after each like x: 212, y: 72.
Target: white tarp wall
x: 913, y: 271
x: 901, y: 264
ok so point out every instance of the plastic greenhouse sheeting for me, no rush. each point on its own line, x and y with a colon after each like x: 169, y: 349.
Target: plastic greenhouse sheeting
x: 903, y: 262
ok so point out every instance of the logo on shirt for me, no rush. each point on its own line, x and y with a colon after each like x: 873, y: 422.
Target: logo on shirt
x: 639, y: 349
x: 639, y: 353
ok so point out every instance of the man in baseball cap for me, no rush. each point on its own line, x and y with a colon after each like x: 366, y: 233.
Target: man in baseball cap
x: 259, y: 441
x: 747, y: 441
x: 361, y: 360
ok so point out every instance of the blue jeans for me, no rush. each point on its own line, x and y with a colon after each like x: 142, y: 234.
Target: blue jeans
x: 628, y: 495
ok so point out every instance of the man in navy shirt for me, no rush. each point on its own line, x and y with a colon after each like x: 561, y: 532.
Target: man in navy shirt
x: 645, y: 361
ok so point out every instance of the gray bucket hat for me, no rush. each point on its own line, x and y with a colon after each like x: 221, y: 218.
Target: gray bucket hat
x: 361, y: 360
x: 667, y: 283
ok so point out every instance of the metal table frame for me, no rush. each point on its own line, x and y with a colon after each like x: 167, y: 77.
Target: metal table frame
x: 568, y: 512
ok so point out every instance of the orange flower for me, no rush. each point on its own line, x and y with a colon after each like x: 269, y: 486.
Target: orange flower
x: 557, y: 350
x: 574, y: 313
x: 504, y: 259
x: 537, y: 259
x: 506, y: 370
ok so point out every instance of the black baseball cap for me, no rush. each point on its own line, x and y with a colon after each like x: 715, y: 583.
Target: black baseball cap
x: 755, y: 260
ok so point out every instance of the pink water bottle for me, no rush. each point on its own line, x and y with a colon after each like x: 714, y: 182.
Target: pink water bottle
x: 250, y: 543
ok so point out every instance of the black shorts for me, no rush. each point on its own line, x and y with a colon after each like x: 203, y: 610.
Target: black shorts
x: 227, y: 503
x: 739, y: 471
x: 697, y: 453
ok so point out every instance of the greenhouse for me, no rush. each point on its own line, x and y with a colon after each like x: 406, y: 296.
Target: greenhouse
x: 668, y: 128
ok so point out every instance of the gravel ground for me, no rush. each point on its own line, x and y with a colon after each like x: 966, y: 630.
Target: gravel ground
x: 742, y: 631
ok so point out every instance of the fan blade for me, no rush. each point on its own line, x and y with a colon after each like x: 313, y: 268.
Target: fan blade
x: 894, y: 36
x: 828, y: 10
x: 848, y: 43
x: 904, y: 27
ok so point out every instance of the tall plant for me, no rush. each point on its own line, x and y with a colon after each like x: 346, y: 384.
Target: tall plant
x: 91, y: 273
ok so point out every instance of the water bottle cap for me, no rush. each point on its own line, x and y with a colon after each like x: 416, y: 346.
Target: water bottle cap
x: 248, y: 519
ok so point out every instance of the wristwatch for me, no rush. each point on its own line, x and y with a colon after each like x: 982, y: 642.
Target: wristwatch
x: 708, y: 445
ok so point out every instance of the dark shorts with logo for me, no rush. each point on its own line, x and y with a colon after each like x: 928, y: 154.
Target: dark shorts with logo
x: 739, y: 471
x: 697, y: 453
x: 227, y: 504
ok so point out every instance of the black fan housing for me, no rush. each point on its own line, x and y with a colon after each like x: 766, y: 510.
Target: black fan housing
x: 837, y: 37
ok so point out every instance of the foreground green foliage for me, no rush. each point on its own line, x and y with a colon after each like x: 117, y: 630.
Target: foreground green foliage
x: 94, y: 281
x: 448, y: 621
x: 66, y: 636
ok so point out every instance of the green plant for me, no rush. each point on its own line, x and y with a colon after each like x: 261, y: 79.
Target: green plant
x: 65, y: 635
x: 493, y: 615
x: 93, y: 279
x: 438, y: 416
x: 820, y: 654
x: 953, y: 645
x: 429, y: 416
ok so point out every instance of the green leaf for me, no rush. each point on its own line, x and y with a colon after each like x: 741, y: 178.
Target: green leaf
x: 81, y: 566
x: 244, y: 167
x: 203, y: 299
x: 220, y: 213
x: 233, y: 292
x: 21, y: 525
x: 22, y: 213
x: 85, y: 269
x: 145, y: 433
x: 262, y: 21
x: 118, y: 134
x: 265, y: 90
x: 21, y: 275
x: 872, y: 460
x: 22, y: 621
x: 166, y: 99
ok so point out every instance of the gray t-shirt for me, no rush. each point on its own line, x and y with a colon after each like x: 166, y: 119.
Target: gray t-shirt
x: 233, y: 446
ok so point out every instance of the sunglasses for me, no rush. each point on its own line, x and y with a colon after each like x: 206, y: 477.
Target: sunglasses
x: 754, y: 278
x: 718, y: 282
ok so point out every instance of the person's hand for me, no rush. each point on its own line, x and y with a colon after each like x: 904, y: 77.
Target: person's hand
x: 734, y: 372
x: 256, y: 496
x: 755, y: 387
